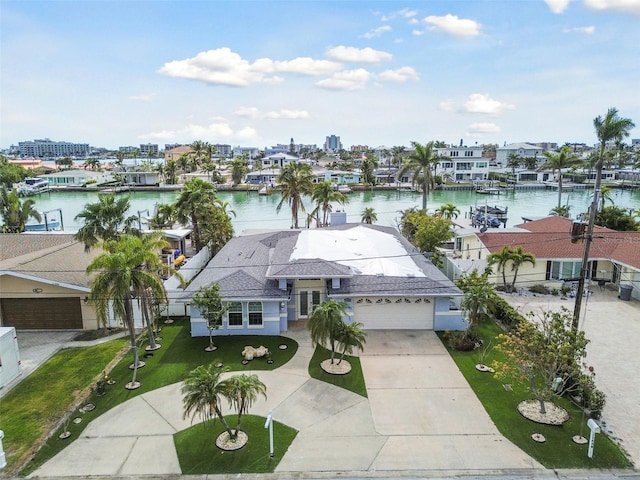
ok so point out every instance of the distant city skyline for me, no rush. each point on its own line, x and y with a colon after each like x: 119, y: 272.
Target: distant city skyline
x: 369, y: 72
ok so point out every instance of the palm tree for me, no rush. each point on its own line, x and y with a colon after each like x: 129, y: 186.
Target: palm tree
x: 242, y: 391
x: 170, y: 172
x: 105, y: 220
x: 501, y: 259
x: 323, y: 194
x: 325, y: 322
x: 238, y: 170
x: 295, y: 180
x: 605, y: 195
x: 478, y: 300
x: 195, y: 199
x: 448, y: 211
x: 514, y: 161
x: 563, y: 211
x: 351, y: 336
x: 16, y: 213
x: 369, y: 216
x: 202, y: 392
x: 164, y: 217
x: 119, y: 277
x: 518, y: 257
x: 421, y: 161
x: 556, y: 162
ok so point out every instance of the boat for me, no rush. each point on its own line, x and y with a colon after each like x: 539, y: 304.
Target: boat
x: 344, y: 189
x: 488, y: 191
x: 495, y: 211
x: 489, y: 221
x: 264, y: 191
x: 47, y: 225
x: 31, y: 186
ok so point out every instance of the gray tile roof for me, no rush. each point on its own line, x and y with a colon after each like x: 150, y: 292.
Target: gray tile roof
x: 249, y: 266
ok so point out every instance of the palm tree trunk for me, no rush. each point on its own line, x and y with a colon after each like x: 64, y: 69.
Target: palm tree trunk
x: 224, y: 421
x: 559, y: 188
x: 132, y: 335
x: 425, y: 190
x: 145, y: 315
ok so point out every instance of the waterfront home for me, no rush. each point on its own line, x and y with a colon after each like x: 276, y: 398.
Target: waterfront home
x: 522, y: 150
x: 613, y: 257
x: 77, y: 178
x: 339, y: 177
x: 139, y: 178
x: 279, y: 160
x: 267, y: 176
x: 273, y: 279
x: 177, y: 152
x: 462, y: 164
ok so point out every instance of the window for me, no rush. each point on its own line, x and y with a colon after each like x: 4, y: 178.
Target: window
x: 468, y: 153
x: 255, y: 313
x: 565, y: 270
x: 464, y: 166
x: 446, y: 164
x: 235, y: 314
x: 481, y: 164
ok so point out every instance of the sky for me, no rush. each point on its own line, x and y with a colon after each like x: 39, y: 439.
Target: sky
x: 258, y: 73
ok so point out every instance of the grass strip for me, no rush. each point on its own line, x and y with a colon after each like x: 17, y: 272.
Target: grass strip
x: 559, y: 451
x: 198, y: 454
x: 353, y: 381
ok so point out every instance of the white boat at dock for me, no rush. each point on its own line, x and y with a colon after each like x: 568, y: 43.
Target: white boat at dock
x: 31, y: 186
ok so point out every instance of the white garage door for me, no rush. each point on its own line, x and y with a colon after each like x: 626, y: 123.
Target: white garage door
x: 392, y: 313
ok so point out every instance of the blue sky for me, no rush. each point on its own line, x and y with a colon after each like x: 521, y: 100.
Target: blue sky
x: 256, y: 73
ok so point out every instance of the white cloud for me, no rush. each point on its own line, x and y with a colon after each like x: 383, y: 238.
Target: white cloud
x: 588, y: 30
x: 357, y: 55
x: 417, y: 33
x: 462, y: 27
x: 482, y: 103
x: 142, y: 98
x: 404, y: 13
x: 557, y: 6
x: 306, y: 66
x: 275, y: 80
x: 629, y: 6
x: 482, y: 127
x: 346, y: 80
x: 254, y: 113
x: 225, y: 67
x: 376, y: 32
x: 399, y: 75
x: 219, y: 129
x: 447, y: 105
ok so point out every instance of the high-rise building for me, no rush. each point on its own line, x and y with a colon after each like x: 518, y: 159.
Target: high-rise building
x: 332, y: 144
x: 149, y: 149
x: 48, y: 148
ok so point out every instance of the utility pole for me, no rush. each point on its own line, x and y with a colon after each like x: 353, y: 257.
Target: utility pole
x: 588, y: 238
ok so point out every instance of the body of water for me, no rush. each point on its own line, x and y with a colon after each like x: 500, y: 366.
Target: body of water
x: 255, y: 211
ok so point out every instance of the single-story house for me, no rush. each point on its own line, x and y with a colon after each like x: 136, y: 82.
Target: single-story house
x: 140, y: 178
x: 271, y: 279
x: 613, y: 256
x: 77, y: 178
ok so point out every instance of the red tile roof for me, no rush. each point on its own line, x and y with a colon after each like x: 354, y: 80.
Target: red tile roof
x: 549, y: 238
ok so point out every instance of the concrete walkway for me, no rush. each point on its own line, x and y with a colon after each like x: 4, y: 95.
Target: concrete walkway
x: 613, y: 326
x: 420, y: 416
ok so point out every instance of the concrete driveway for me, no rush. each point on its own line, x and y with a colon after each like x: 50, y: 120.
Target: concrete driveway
x: 420, y: 415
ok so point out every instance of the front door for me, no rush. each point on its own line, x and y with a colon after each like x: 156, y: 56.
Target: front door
x: 307, y: 299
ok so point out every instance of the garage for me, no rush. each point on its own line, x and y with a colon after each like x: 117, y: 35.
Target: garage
x: 42, y: 313
x: 393, y: 313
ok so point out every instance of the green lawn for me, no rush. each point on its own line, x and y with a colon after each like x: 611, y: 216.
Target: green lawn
x: 180, y: 353
x: 198, y: 454
x: 34, y: 406
x: 559, y: 451
x: 353, y: 381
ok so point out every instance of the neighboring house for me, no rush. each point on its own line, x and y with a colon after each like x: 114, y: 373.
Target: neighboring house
x: 139, y: 178
x: 339, y: 177
x: 267, y: 176
x: 271, y: 279
x: 278, y: 160
x: 77, y: 178
x: 43, y: 282
x: 463, y: 164
x: 523, y: 150
x: 613, y: 256
x: 175, y: 153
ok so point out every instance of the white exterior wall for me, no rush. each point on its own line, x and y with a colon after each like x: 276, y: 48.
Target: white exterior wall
x: 10, y: 366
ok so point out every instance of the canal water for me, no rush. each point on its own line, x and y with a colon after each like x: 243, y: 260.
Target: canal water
x: 255, y: 211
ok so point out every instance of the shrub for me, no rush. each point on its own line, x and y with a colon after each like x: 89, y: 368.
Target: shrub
x: 555, y: 292
x: 506, y: 314
x: 539, y: 288
x: 453, y: 337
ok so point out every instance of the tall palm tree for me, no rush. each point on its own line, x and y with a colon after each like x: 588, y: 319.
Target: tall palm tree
x: 202, y: 391
x: 513, y: 161
x: 325, y: 322
x: 323, y: 194
x: 16, y: 213
x: 195, y: 199
x: 421, y: 161
x: 238, y: 170
x: 242, y: 391
x: 171, y: 172
x: 605, y: 195
x: 351, y: 336
x: 105, y: 220
x: 518, y: 257
x: 565, y: 158
x: 448, y: 210
x: 295, y: 181
x: 369, y: 216
x: 119, y: 277
x: 164, y: 217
